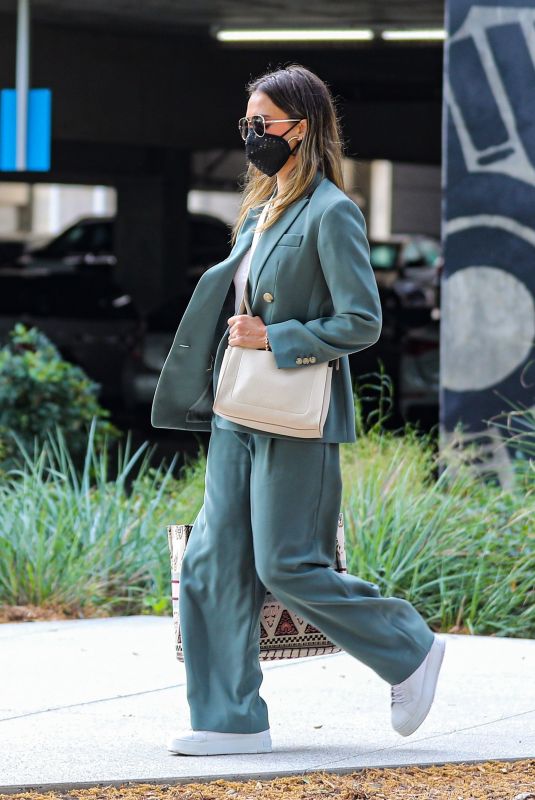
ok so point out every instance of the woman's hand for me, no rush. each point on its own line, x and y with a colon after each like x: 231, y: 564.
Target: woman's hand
x: 247, y: 331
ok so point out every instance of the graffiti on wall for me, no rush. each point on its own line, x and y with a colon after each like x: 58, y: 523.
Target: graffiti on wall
x: 487, y: 350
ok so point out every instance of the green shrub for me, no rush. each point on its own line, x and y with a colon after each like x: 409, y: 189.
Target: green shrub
x: 39, y: 390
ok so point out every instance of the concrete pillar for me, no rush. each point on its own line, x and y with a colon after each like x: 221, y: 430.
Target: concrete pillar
x: 151, y: 234
x: 488, y: 287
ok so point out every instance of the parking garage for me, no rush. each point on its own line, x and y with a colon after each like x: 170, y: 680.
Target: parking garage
x: 146, y: 162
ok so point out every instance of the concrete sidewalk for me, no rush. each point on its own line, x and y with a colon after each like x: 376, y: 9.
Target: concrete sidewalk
x: 90, y: 701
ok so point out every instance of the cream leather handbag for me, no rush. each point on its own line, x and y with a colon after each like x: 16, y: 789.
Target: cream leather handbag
x: 252, y: 391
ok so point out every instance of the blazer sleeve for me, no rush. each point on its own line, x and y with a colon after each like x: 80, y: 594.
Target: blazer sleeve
x: 344, y: 254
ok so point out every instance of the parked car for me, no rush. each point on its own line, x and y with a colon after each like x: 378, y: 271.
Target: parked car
x: 12, y: 245
x: 89, y: 242
x: 408, y: 269
x: 67, y: 288
x: 419, y: 372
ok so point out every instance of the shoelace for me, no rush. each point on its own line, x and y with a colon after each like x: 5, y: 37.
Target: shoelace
x: 397, y: 695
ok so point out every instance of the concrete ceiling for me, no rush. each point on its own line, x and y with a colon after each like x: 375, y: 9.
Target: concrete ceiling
x: 200, y: 15
x: 132, y: 78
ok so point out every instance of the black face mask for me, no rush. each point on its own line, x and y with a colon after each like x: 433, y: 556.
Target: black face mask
x: 269, y: 153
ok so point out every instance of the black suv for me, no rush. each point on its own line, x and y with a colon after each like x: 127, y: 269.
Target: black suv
x: 66, y: 288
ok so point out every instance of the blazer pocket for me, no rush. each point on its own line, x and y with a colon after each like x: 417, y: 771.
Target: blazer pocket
x: 291, y: 239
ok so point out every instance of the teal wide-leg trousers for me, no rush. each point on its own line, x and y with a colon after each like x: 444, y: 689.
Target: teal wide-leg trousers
x: 269, y: 519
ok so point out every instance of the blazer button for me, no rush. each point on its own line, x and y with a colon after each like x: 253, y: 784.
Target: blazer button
x: 312, y: 359
x: 298, y: 360
x: 268, y: 297
x: 305, y: 360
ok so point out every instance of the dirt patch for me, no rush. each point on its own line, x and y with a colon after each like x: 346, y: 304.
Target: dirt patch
x: 488, y: 780
x: 30, y: 613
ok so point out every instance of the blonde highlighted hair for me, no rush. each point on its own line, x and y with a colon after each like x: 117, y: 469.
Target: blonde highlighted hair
x: 301, y: 95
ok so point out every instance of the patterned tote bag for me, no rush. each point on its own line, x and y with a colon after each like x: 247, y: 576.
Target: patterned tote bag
x: 283, y: 633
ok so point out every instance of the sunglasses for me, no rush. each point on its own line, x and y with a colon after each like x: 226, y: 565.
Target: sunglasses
x: 258, y: 124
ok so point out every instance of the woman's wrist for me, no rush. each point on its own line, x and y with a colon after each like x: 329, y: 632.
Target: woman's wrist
x: 267, y: 345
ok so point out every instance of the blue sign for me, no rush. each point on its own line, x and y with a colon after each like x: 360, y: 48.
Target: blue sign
x: 38, y: 143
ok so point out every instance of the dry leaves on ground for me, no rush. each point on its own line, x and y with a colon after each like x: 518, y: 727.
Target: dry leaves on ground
x: 47, y: 613
x: 489, y: 780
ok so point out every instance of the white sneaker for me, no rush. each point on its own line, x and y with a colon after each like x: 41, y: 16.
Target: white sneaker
x: 210, y: 743
x: 412, y: 698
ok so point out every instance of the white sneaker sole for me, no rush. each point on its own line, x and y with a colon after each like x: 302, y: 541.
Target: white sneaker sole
x: 229, y: 744
x: 432, y: 670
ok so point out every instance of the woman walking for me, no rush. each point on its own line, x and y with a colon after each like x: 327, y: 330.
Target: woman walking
x: 271, y: 502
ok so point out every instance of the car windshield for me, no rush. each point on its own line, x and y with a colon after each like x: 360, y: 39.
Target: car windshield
x: 83, y: 238
x: 383, y: 255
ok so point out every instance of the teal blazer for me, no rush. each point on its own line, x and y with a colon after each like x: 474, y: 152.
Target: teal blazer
x: 311, y: 282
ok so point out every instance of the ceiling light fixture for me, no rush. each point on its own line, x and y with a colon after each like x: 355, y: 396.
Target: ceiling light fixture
x: 414, y: 35
x: 289, y: 35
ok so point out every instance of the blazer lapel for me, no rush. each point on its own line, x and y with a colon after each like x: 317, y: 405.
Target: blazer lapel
x: 223, y: 273
x: 271, y: 236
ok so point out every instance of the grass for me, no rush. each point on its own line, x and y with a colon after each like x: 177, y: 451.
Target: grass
x: 461, y: 549
x: 85, y: 541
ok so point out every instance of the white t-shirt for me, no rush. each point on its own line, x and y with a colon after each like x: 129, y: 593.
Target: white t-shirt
x: 240, y: 276
x: 242, y: 271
